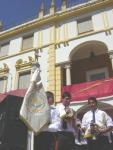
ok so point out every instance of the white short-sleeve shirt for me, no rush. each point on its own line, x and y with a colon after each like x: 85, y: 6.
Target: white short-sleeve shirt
x: 102, y: 119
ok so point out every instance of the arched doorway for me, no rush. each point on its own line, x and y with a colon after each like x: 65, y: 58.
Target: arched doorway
x: 89, y: 61
x: 103, y: 106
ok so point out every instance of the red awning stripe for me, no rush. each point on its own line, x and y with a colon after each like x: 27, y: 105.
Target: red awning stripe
x: 99, y: 88
x: 18, y: 92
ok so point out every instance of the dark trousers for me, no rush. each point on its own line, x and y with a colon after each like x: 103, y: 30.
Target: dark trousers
x: 65, y: 141
x: 111, y: 144
x: 8, y: 147
x: 80, y: 147
x: 44, y: 141
x: 101, y: 143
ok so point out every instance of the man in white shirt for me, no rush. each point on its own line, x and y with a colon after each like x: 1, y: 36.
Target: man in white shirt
x: 65, y: 134
x: 97, y: 126
x: 47, y: 137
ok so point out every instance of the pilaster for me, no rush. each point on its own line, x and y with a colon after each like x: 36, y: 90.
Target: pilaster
x: 41, y: 12
x: 58, y: 83
x: 68, y: 73
x: 51, y: 69
x: 64, y: 5
x: 52, y: 8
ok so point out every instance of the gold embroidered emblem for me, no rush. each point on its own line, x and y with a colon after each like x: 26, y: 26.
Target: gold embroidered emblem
x: 35, y: 103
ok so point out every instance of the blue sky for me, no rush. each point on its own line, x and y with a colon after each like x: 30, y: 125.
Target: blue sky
x: 15, y: 12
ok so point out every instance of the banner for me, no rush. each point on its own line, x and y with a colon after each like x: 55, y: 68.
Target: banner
x: 98, y: 88
x: 35, y: 109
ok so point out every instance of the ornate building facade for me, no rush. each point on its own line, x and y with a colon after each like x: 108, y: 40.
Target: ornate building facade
x: 75, y: 45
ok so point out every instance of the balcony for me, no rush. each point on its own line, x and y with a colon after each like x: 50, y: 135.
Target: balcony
x: 101, y: 89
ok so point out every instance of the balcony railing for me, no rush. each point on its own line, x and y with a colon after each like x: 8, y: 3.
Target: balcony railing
x: 98, y: 88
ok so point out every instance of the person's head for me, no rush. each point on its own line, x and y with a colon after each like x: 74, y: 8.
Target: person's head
x: 66, y: 98
x: 35, y: 65
x: 50, y: 97
x: 78, y: 123
x: 92, y: 102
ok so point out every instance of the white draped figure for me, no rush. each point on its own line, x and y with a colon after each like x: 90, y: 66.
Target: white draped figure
x: 35, y: 109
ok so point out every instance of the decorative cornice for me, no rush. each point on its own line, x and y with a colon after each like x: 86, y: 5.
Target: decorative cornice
x: 63, y: 64
x: 20, y: 64
x: 5, y: 69
x: 57, y: 44
x: 89, y: 7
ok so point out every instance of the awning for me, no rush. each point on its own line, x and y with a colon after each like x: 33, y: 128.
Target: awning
x: 18, y: 93
x: 99, y: 89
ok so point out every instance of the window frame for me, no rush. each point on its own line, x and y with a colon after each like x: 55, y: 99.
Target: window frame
x: 5, y: 44
x: 94, y: 71
x: 26, y: 37
x: 82, y: 20
x: 5, y: 80
x: 20, y: 73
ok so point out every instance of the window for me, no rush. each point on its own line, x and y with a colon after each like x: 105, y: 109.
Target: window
x: 97, y: 74
x: 24, y: 80
x: 3, y: 85
x: 27, y: 42
x: 4, y: 49
x: 85, y: 25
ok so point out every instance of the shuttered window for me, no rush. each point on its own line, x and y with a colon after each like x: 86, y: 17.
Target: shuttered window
x: 97, y: 74
x: 85, y: 25
x: 27, y: 42
x: 2, y: 84
x: 24, y: 80
x: 4, y: 49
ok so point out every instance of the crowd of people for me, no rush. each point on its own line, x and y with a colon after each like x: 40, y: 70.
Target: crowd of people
x: 67, y: 132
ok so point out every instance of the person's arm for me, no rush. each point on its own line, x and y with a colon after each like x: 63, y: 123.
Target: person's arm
x: 108, y: 122
x: 105, y: 130
x: 84, y: 123
x: 69, y: 113
x: 74, y: 120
